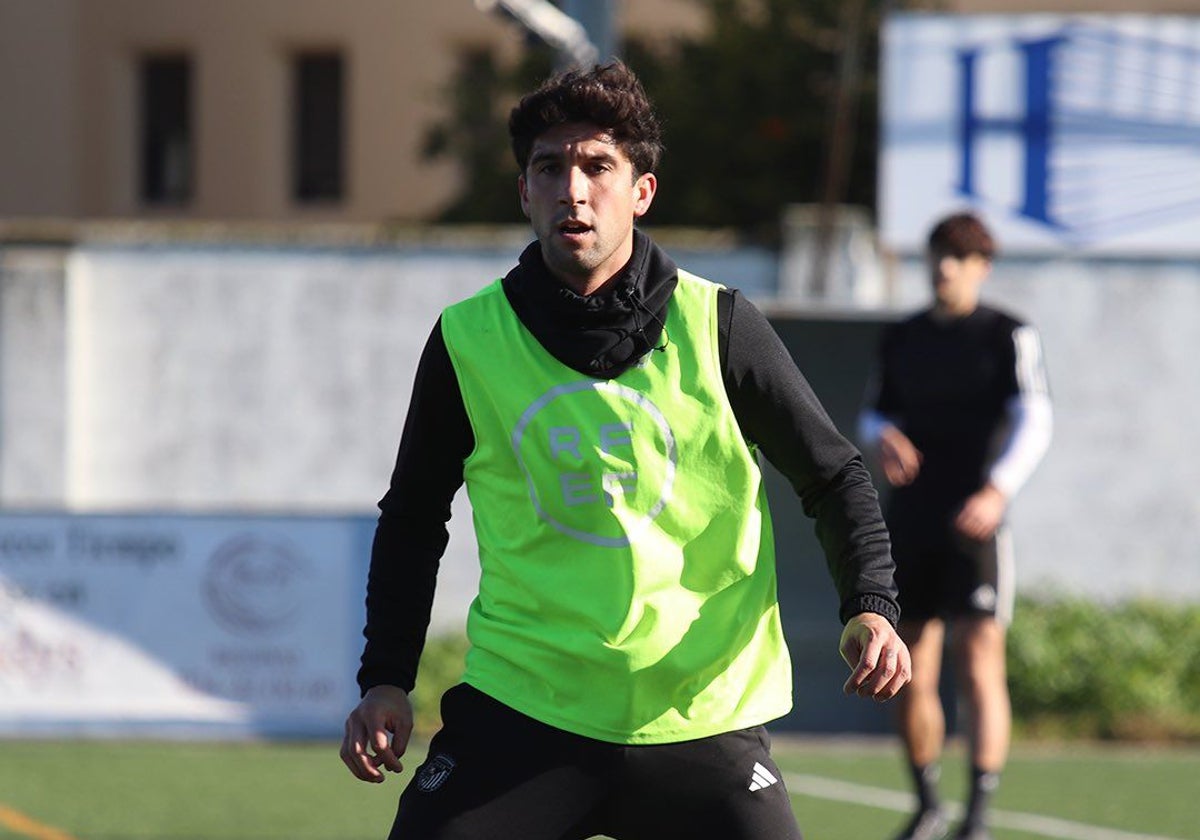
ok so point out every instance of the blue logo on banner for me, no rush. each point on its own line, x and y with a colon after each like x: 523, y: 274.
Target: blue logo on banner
x: 1108, y: 131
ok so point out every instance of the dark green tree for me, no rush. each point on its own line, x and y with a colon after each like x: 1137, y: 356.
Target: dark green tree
x: 475, y: 133
x: 748, y: 114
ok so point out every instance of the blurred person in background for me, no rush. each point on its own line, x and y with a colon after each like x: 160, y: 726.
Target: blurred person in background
x: 959, y: 416
x: 605, y: 411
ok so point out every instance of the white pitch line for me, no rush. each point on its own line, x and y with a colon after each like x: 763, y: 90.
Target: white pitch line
x: 891, y: 800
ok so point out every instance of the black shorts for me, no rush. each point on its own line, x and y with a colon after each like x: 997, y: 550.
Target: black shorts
x: 941, y: 573
x: 495, y: 774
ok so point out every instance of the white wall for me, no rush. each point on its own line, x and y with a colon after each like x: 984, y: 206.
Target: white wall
x: 255, y: 379
x: 32, y: 377
x: 269, y: 379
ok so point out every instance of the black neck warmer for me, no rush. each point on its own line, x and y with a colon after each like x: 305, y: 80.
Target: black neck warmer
x: 604, y: 334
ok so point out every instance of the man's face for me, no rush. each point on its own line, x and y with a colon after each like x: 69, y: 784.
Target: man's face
x: 581, y: 195
x: 957, y: 280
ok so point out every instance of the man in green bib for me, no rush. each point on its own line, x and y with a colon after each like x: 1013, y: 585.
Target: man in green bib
x: 605, y: 410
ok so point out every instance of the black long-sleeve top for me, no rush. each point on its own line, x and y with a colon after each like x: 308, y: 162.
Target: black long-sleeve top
x: 601, y: 336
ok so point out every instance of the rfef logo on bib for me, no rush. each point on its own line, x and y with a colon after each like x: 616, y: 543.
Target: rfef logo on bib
x: 599, y: 459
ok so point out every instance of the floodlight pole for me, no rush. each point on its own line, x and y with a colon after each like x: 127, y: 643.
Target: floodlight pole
x: 557, y: 28
x: 839, y: 145
x: 599, y: 21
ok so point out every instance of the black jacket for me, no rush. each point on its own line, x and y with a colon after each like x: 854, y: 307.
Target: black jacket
x: 601, y: 336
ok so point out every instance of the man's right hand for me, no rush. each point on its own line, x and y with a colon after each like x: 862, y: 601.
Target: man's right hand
x: 901, y: 460
x: 377, y: 733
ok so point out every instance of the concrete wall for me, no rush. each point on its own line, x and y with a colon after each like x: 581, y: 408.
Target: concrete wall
x: 275, y: 378
x: 209, y: 377
x: 142, y: 376
x: 33, y: 412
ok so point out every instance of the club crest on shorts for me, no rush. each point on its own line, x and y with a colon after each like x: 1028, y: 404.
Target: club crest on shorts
x: 434, y: 772
x: 984, y: 597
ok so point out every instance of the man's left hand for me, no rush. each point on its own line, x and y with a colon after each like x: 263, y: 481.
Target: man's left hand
x: 880, y: 662
x: 981, y: 513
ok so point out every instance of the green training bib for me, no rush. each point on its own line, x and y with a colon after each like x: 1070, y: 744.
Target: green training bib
x: 627, y: 588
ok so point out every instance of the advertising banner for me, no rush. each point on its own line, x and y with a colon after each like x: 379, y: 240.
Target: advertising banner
x: 1070, y: 134
x: 179, y: 624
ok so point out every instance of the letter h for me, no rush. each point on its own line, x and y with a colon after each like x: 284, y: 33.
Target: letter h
x: 1035, y: 129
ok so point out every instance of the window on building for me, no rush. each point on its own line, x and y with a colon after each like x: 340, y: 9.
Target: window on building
x: 318, y: 127
x: 167, y: 167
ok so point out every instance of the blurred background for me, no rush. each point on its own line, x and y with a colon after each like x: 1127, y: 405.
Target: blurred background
x: 226, y: 229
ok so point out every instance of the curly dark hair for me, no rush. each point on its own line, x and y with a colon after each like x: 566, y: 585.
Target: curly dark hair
x: 608, y: 96
x: 961, y: 235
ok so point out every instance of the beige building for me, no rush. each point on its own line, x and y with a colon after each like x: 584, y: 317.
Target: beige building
x: 307, y: 110
x: 239, y: 109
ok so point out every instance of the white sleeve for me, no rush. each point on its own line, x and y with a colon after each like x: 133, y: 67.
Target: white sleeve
x: 871, y: 422
x: 870, y: 426
x: 1031, y: 418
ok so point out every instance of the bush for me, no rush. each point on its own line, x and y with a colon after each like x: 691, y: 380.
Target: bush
x: 441, y: 667
x: 1124, y: 671
x: 1076, y: 668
